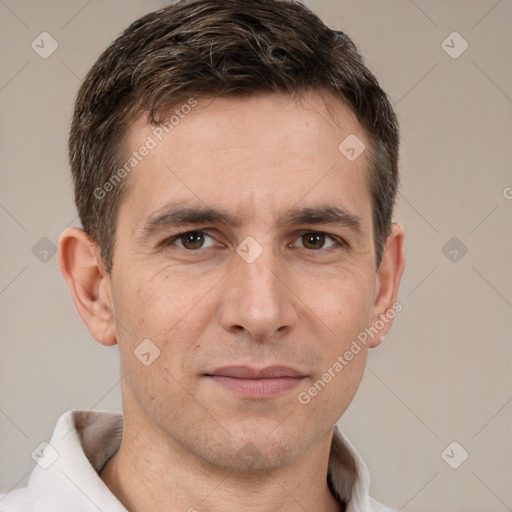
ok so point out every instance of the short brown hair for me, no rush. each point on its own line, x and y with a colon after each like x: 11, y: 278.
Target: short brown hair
x: 209, y: 48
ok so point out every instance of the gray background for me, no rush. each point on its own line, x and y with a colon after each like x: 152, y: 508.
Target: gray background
x: 442, y: 374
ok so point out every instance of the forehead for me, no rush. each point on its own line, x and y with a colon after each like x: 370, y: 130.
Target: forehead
x: 255, y: 157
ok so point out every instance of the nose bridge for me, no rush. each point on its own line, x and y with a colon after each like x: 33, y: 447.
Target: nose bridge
x: 258, y: 273
x: 257, y: 298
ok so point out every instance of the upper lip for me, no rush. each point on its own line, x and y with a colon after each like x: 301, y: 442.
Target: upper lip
x: 246, y: 372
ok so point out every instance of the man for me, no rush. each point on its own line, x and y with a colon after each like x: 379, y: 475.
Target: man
x: 235, y: 169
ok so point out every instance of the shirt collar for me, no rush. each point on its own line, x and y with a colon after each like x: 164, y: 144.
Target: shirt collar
x: 83, y: 441
x: 348, y: 474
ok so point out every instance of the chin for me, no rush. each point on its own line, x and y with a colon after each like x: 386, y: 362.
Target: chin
x: 255, y: 452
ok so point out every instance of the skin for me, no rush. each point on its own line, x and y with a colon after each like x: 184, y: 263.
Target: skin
x: 299, y: 304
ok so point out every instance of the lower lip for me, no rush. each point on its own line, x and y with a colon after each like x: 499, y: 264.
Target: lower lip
x: 258, y: 388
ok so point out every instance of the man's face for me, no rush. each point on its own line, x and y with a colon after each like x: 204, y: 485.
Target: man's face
x: 283, y: 297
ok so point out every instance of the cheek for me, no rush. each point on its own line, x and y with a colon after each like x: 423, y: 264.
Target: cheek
x: 344, y: 301
x: 152, y: 303
x: 170, y: 311
x: 344, y: 305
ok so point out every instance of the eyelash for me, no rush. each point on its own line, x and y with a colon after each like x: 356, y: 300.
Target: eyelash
x: 338, y: 241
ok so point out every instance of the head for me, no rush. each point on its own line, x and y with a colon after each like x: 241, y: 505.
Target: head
x: 259, y: 131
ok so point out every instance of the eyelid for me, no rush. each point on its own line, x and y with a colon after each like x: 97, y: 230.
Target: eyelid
x: 174, y: 238
x: 338, y: 240
x: 335, y: 238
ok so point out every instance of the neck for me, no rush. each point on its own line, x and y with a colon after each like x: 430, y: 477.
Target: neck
x: 152, y: 472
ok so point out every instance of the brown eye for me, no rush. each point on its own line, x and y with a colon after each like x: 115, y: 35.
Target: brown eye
x: 316, y: 240
x: 313, y: 240
x: 192, y: 240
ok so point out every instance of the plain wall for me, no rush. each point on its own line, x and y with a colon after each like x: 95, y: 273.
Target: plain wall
x: 442, y: 373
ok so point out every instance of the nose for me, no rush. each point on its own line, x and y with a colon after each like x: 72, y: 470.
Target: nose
x: 257, y: 299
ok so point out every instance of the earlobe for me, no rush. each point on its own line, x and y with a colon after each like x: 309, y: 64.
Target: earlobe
x: 88, y: 283
x: 389, y: 275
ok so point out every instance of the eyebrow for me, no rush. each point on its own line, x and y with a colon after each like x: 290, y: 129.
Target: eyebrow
x: 174, y: 216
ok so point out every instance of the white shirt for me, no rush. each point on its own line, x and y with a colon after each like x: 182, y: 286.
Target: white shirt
x: 66, y: 475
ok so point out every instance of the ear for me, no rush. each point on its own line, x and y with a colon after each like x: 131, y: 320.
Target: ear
x: 88, y: 282
x: 388, y: 278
